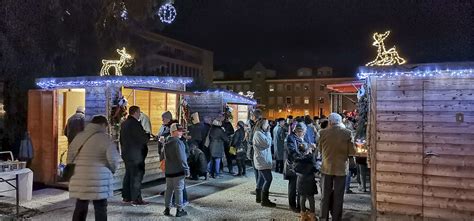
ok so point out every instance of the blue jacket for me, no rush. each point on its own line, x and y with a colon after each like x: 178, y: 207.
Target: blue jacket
x: 310, y: 136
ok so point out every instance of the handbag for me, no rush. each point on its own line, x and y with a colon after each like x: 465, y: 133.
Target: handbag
x: 288, y: 169
x: 68, y: 170
x: 232, y: 150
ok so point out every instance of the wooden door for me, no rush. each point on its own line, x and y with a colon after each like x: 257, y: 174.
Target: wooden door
x: 448, y: 147
x: 42, y: 126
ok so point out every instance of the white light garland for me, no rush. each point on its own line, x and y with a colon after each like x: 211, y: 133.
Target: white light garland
x: 433, y: 73
x: 167, y: 13
x: 133, y: 81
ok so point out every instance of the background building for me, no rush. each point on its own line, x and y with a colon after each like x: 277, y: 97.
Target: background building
x: 302, y: 93
x: 169, y: 57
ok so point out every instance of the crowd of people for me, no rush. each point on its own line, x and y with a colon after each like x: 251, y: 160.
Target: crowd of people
x: 303, y: 149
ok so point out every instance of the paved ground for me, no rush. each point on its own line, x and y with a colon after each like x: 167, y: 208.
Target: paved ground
x: 220, y: 199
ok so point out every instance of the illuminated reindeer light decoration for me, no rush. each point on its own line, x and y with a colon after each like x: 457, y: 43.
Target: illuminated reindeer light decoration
x: 116, y: 64
x: 384, y: 57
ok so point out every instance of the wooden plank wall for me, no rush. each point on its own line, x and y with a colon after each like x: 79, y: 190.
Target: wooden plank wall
x: 414, y: 116
x: 42, y: 125
x: 206, y: 105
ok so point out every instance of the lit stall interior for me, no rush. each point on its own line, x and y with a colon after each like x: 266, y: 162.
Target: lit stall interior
x: 153, y: 103
x: 67, y: 103
x: 240, y: 113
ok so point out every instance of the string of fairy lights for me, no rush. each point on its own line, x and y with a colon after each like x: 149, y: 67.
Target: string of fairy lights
x: 105, y: 81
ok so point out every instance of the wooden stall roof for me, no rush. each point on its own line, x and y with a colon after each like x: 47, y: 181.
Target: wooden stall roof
x: 172, y: 83
x: 230, y: 97
x: 347, y: 87
x: 365, y: 71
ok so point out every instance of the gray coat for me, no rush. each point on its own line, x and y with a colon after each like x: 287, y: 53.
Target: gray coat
x: 218, y: 140
x: 279, y: 142
x: 262, y: 156
x: 95, y: 164
x: 175, y: 156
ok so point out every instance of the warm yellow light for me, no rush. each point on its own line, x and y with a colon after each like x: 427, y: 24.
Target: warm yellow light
x: 384, y: 57
x: 116, y: 64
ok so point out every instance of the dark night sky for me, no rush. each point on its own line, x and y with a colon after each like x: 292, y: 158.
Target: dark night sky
x: 288, y: 34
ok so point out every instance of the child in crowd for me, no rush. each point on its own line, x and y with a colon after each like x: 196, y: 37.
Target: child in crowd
x: 197, y: 162
x: 305, y: 167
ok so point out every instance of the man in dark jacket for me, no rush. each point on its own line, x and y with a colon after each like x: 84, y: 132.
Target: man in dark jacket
x: 133, y: 143
x: 229, y: 131
x: 195, y: 130
x: 75, y: 124
x: 176, y: 170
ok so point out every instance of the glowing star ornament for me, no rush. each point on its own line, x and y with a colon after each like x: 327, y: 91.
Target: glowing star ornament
x: 384, y: 57
x: 167, y: 13
x: 116, y: 64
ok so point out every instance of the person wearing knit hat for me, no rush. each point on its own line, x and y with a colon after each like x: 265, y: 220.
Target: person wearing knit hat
x: 166, y: 116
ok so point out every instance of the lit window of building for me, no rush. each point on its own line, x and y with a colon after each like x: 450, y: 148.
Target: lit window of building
x: 306, y: 112
x: 306, y: 100
x: 271, y: 87
x: 306, y: 87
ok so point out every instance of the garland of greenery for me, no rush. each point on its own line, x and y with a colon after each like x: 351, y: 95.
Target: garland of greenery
x: 362, y: 111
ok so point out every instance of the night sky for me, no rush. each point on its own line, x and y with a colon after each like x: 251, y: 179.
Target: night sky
x: 288, y: 34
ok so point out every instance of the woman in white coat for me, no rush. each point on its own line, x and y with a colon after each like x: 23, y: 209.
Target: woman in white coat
x: 262, y: 158
x: 95, y: 162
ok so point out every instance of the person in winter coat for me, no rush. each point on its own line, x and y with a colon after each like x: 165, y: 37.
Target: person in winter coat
x: 176, y: 170
x: 164, y: 131
x: 75, y: 124
x: 197, y: 162
x: 279, y: 135
x: 218, y: 139
x: 295, y: 139
x: 133, y: 141
x: 238, y: 142
x: 229, y: 130
x: 256, y: 118
x: 336, y: 146
x: 96, y: 162
x: 262, y: 157
x: 305, y: 167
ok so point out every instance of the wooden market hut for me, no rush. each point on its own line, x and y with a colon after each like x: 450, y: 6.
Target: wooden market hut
x: 51, y: 106
x: 343, y: 95
x: 421, y: 140
x: 213, y: 103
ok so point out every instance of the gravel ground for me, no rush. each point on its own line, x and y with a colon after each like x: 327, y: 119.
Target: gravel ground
x: 222, y: 199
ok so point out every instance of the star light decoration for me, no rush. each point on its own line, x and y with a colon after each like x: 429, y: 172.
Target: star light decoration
x: 384, y: 57
x: 167, y: 13
x: 130, y: 81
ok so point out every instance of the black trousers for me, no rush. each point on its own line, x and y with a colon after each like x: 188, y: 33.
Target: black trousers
x: 279, y: 166
x: 241, y: 166
x: 82, y: 207
x: 293, y: 199
x: 132, y: 181
x: 332, y: 196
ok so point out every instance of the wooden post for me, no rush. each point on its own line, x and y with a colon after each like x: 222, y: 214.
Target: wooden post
x: 372, y: 140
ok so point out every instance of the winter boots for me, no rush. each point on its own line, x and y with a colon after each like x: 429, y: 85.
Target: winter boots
x: 265, y: 201
x: 258, y: 195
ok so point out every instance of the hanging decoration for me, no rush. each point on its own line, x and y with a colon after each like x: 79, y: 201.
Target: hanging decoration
x: 167, y: 13
x: 106, y: 81
x: 360, y: 93
x: 118, y: 114
x: 121, y: 11
x: 249, y: 94
x: 185, y: 116
x: 124, y: 60
x: 228, y: 112
x: 384, y: 57
x: 428, y: 73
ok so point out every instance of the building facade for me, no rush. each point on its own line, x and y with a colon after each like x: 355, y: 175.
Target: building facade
x: 305, y: 94
x: 165, y: 56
